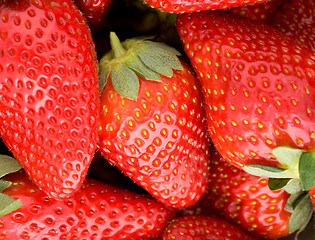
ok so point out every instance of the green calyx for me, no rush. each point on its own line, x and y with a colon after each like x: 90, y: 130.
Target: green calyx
x: 296, y: 176
x: 297, y: 170
x: 136, y: 57
x: 7, y: 165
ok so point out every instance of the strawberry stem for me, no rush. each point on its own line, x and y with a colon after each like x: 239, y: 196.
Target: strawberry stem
x: 116, y: 45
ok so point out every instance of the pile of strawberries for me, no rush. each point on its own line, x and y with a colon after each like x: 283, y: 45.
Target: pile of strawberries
x: 157, y: 119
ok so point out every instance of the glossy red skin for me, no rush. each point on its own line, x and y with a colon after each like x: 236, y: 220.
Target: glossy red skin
x: 263, y: 12
x: 203, y: 227
x: 187, y: 6
x: 160, y: 140
x: 94, y: 11
x: 258, y: 96
x: 296, y: 19
x: 49, y: 100
x: 245, y: 200
x: 96, y: 211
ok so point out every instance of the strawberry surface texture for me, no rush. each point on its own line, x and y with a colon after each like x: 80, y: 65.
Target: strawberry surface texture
x: 258, y: 85
x: 157, y: 119
x: 96, y: 211
x: 49, y: 107
x: 158, y: 139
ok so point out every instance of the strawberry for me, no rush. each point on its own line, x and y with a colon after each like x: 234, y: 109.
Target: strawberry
x: 94, y: 11
x: 203, y: 227
x: 95, y: 211
x: 296, y: 19
x: 247, y: 201
x: 263, y: 12
x: 49, y: 100
x: 153, y: 124
x: 187, y: 6
x: 259, y: 91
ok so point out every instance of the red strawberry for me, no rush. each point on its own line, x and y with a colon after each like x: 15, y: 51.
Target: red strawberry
x: 296, y: 19
x: 259, y: 91
x: 263, y: 12
x: 96, y: 211
x: 94, y: 11
x: 203, y: 227
x: 186, y: 6
x: 246, y: 200
x: 49, y: 100
x: 153, y: 124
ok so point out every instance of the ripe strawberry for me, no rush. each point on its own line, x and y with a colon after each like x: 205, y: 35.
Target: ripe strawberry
x: 153, y: 124
x: 186, y: 6
x: 49, y: 101
x: 245, y: 200
x: 263, y: 12
x: 96, y: 211
x: 296, y: 19
x: 94, y: 11
x: 203, y: 227
x: 259, y: 91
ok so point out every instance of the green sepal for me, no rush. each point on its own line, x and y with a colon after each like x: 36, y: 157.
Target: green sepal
x: 125, y: 81
x: 160, y: 57
x: 301, y: 215
x: 290, y: 185
x: 307, y: 170
x: 275, y: 184
x: 8, y: 165
x: 267, y: 171
x: 8, y: 204
x: 157, y: 62
x: 139, y: 67
x: 4, y: 185
x: 293, y: 186
x: 288, y: 157
x: 292, y: 200
x: 142, y: 57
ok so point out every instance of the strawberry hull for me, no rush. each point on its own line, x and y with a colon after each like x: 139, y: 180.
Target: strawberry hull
x: 49, y: 96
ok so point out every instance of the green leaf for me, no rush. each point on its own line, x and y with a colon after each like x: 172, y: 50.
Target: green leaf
x: 140, y: 68
x: 166, y: 52
x: 267, y: 171
x: 307, y: 170
x: 125, y: 81
x: 301, y: 214
x: 155, y: 62
x: 4, y: 185
x: 8, y: 204
x: 277, y: 183
x: 293, y: 186
x: 8, y: 165
x: 292, y: 200
x: 288, y: 157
